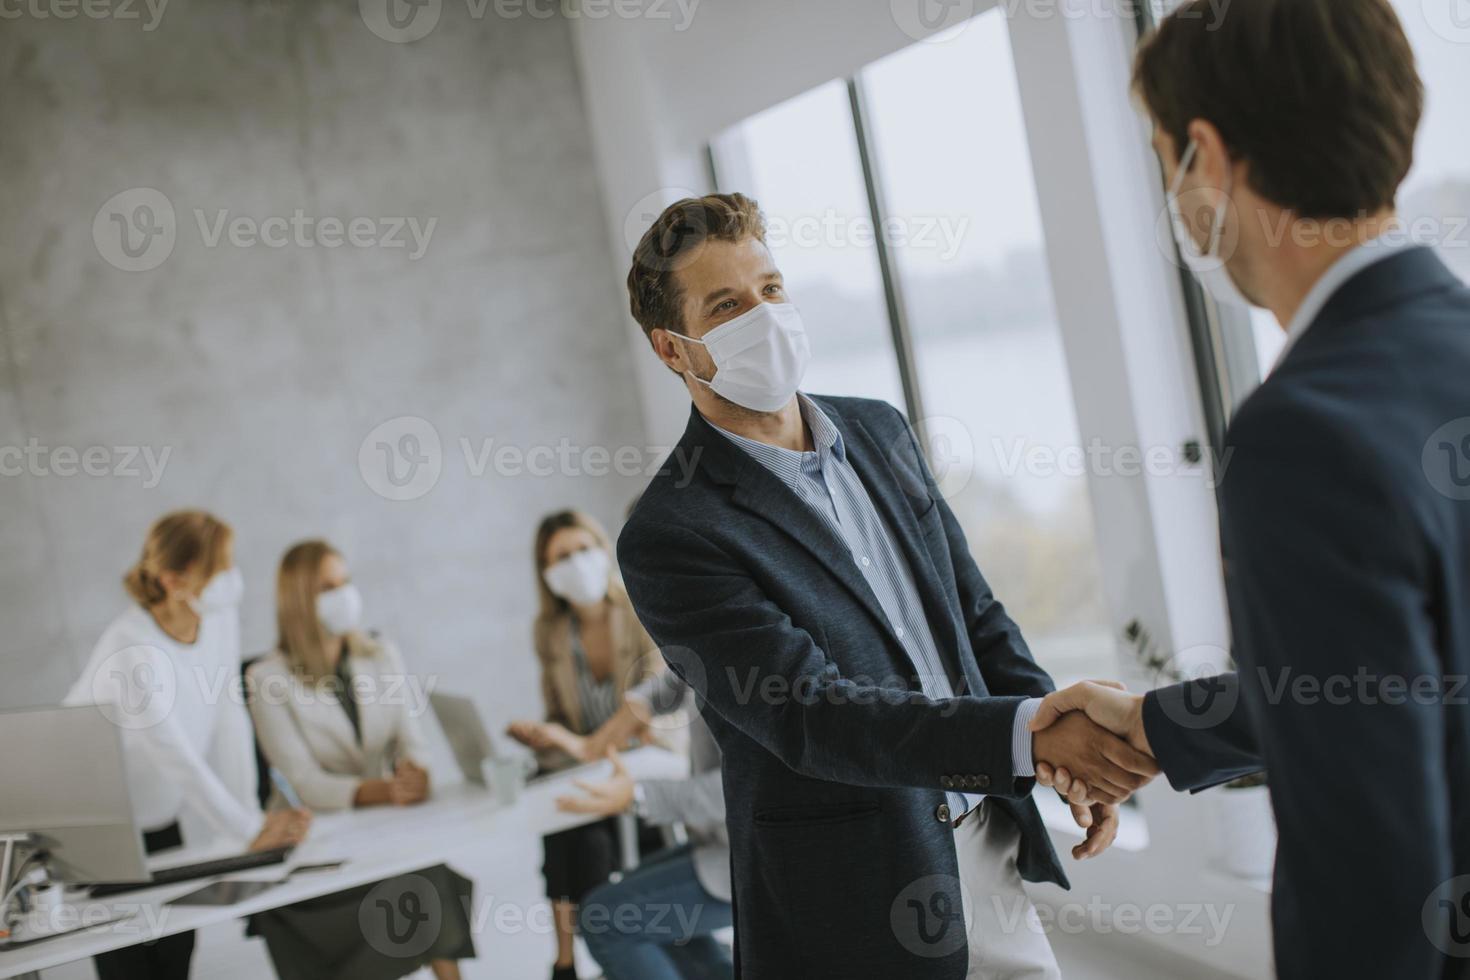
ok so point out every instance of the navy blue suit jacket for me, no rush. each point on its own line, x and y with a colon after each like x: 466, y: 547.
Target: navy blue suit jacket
x: 1345, y: 526
x: 835, y: 766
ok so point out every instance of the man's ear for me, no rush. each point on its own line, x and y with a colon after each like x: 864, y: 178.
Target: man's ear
x: 667, y: 349
x: 1212, y: 163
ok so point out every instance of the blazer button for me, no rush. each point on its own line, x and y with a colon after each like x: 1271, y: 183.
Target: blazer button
x: 947, y: 782
x: 942, y: 814
x: 982, y: 782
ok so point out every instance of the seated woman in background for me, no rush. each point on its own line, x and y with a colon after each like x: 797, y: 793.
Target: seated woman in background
x: 592, y: 649
x: 333, y: 718
x: 154, y: 673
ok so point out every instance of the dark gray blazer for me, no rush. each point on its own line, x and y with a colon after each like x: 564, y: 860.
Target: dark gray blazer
x: 835, y: 766
x: 1345, y: 523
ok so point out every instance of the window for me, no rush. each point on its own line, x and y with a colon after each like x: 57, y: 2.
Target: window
x: 1434, y: 202
x: 800, y: 161
x: 970, y: 255
x: 949, y: 308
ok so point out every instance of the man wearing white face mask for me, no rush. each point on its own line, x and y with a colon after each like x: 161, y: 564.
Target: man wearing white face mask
x: 1285, y: 132
x: 869, y: 695
x: 166, y: 672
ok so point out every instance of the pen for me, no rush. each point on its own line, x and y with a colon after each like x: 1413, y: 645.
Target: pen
x: 287, y: 793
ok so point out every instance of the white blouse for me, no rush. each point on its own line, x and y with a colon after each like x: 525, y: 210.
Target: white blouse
x: 185, y: 731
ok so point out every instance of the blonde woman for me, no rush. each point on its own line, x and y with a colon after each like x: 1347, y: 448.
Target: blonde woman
x: 158, y: 671
x: 592, y: 649
x: 333, y: 718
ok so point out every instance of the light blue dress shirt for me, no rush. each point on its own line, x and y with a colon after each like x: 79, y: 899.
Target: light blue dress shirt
x: 827, y: 483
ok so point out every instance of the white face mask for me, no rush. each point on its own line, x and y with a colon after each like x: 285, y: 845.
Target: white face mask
x: 760, y: 357
x: 340, y: 609
x: 1207, y: 264
x: 222, y: 594
x: 580, y: 579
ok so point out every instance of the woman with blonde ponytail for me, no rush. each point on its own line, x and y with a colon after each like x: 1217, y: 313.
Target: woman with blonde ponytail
x: 166, y: 673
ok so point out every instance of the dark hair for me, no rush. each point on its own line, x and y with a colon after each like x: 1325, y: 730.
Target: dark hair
x: 1320, y: 98
x: 675, y: 241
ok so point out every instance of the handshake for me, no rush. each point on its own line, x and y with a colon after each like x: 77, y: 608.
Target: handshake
x: 1089, y: 745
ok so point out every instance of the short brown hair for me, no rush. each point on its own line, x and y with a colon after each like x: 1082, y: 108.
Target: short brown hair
x: 673, y: 242
x: 1320, y: 98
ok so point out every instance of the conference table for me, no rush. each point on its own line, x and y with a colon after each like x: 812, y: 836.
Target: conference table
x: 373, y: 844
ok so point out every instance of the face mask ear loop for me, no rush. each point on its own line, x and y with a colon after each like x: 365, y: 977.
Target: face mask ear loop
x: 690, y: 373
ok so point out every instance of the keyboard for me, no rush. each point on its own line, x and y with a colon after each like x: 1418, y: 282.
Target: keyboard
x: 189, y: 872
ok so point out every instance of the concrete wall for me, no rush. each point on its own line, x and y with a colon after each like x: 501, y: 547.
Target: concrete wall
x: 262, y: 369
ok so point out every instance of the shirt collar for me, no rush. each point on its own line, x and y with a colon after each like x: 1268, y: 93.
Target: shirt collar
x: 825, y: 437
x: 1337, y: 275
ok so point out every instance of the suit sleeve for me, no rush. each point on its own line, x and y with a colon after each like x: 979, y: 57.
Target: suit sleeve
x: 1004, y: 658
x: 1200, y: 733
x: 746, y: 661
x: 1327, y: 579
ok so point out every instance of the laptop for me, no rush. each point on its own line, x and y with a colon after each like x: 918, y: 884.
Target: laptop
x: 472, y: 745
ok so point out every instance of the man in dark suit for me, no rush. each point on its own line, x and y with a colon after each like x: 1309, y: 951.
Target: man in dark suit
x: 801, y: 571
x: 1345, y: 515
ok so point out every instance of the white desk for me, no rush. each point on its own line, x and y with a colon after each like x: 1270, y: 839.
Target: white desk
x: 376, y: 843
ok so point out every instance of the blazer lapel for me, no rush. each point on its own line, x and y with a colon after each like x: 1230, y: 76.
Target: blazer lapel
x: 891, y: 492
x: 759, y: 491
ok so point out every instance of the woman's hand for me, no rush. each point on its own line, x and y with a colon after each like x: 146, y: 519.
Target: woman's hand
x: 282, y: 828
x: 548, y: 735
x: 625, y: 726
x: 409, y: 785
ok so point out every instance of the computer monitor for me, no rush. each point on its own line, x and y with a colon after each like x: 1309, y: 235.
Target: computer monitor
x: 62, y: 780
x: 466, y: 734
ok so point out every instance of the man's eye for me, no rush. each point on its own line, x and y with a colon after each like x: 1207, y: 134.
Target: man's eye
x: 775, y: 289
x: 725, y: 307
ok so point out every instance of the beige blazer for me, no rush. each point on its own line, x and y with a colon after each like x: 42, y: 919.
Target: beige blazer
x: 635, y: 659
x: 305, y: 732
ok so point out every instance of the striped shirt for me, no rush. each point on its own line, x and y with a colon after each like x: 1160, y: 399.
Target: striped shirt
x: 826, y: 482
x: 599, y: 698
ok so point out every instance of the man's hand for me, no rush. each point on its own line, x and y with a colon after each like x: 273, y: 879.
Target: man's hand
x: 1100, y: 820
x: 1111, y: 768
x: 1107, y: 704
x: 602, y: 799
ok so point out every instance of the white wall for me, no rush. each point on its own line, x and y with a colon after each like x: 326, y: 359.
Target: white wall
x: 263, y: 370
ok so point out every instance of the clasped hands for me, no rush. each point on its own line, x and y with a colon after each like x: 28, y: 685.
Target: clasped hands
x: 1089, y: 745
